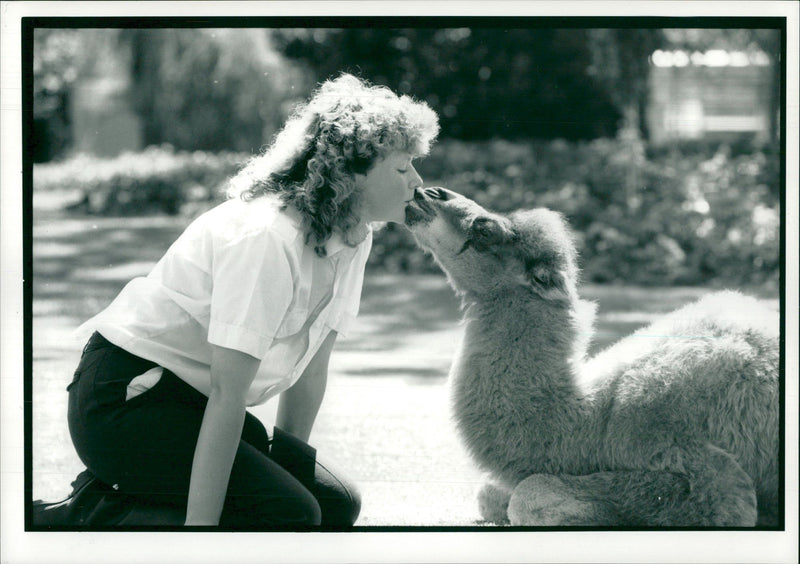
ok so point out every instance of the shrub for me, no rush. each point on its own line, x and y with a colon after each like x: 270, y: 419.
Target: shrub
x: 690, y: 215
x: 703, y: 216
x: 156, y: 180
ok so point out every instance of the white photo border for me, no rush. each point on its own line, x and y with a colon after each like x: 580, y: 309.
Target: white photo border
x: 19, y: 546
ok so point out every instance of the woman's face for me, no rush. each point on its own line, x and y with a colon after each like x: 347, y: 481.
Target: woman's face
x: 387, y: 187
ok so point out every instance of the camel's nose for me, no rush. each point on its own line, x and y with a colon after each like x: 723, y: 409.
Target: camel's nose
x: 435, y: 193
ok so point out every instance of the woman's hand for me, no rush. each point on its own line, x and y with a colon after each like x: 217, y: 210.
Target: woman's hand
x: 299, y: 405
x: 232, y: 372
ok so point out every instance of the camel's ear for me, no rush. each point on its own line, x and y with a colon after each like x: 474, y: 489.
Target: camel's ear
x: 547, y: 279
x: 488, y: 232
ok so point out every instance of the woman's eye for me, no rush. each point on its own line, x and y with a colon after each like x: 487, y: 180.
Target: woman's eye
x: 402, y: 171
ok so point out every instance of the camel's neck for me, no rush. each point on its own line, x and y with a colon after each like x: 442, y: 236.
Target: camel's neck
x: 536, y: 338
x: 517, y: 371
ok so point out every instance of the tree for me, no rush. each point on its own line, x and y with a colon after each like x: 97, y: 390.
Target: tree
x: 56, y: 65
x: 484, y: 82
x: 620, y: 63
x: 208, y: 89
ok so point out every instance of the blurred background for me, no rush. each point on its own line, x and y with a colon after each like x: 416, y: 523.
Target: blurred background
x: 661, y: 147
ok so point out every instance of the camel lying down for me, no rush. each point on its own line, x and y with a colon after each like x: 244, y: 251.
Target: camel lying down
x: 676, y: 425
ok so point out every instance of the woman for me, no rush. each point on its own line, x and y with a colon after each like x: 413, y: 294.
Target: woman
x: 246, y: 305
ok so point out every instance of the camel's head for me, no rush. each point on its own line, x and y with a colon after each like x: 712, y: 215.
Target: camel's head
x: 484, y: 252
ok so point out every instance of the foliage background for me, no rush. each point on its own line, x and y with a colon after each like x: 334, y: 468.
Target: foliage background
x: 530, y: 117
x: 685, y: 216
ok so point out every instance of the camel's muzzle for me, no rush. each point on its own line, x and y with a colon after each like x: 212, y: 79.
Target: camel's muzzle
x: 422, y: 209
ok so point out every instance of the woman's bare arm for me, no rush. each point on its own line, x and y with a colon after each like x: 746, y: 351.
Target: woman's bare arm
x: 299, y: 405
x: 232, y: 372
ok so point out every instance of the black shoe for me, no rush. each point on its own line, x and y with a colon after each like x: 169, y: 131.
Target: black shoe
x: 95, y: 504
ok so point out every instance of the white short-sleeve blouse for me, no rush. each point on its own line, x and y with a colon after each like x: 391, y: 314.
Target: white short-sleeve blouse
x: 240, y: 276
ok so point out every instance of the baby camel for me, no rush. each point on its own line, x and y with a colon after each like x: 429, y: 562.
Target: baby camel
x: 676, y: 425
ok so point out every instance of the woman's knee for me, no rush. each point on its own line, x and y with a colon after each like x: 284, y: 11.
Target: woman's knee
x: 339, y: 498
x: 271, y: 509
x: 262, y: 494
x: 341, y: 511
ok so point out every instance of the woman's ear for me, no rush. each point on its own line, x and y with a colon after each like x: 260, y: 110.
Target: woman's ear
x: 488, y: 232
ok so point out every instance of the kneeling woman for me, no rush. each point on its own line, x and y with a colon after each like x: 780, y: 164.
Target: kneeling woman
x: 246, y: 305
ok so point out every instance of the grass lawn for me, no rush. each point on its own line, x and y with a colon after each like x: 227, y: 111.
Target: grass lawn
x: 385, y: 418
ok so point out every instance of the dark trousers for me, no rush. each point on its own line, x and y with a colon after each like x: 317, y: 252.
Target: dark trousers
x: 144, y: 447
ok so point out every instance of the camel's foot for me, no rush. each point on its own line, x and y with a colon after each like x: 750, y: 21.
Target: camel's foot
x: 493, y: 503
x: 544, y: 500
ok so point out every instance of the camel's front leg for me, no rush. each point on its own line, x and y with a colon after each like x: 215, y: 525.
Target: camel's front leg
x: 602, y: 499
x: 698, y: 486
x: 546, y: 500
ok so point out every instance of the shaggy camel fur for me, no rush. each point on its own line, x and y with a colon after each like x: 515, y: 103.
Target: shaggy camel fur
x: 677, y: 425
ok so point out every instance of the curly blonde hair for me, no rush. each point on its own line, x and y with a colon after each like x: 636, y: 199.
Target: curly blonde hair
x: 342, y: 130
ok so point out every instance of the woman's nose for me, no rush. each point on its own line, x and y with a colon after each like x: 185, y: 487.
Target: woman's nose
x: 416, y: 181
